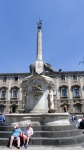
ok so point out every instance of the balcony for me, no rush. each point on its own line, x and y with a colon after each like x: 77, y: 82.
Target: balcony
x: 3, y: 98
x: 2, y: 102
x: 76, y: 96
x: 77, y: 100
x: 64, y: 101
x: 63, y: 97
x: 14, y: 98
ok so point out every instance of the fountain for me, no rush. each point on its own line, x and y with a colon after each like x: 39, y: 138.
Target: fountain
x: 39, y: 90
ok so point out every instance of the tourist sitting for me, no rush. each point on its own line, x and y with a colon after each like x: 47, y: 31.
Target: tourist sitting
x: 27, y: 133
x: 78, y: 123
x: 15, y: 136
x: 82, y: 124
x: 2, y: 119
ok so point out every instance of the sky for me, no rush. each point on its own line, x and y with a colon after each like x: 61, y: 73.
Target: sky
x: 62, y: 34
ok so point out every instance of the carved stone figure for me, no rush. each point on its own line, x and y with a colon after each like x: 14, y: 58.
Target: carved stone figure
x: 50, y: 99
x: 36, y: 88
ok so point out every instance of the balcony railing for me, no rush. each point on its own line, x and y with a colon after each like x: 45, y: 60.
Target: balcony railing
x: 64, y: 97
x: 76, y: 96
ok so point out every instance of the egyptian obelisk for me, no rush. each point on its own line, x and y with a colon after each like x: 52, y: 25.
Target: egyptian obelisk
x: 39, y: 61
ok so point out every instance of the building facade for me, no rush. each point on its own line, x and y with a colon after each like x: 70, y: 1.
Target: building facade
x: 68, y: 92
x: 11, y: 92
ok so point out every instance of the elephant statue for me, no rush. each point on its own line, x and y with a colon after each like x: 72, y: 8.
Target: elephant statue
x: 32, y: 68
x: 48, y: 67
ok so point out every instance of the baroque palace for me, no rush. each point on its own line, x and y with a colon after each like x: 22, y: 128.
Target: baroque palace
x: 68, y: 92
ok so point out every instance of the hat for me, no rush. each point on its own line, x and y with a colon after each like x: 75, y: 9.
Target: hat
x: 28, y: 125
x: 16, y: 125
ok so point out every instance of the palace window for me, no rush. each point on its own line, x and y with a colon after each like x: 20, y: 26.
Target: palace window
x: 78, y: 108
x: 14, y: 93
x: 4, y: 79
x: 76, y: 92
x: 3, y: 93
x: 16, y: 79
x: 74, y: 77
x: 62, y: 77
x: 1, y: 109
x: 63, y: 92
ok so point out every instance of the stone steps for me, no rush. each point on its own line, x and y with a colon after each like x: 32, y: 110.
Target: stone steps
x: 53, y: 134
x: 47, y: 135
x: 58, y: 141
x: 42, y: 128
x: 50, y: 141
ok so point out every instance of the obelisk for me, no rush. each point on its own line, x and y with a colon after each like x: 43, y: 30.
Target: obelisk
x: 39, y: 61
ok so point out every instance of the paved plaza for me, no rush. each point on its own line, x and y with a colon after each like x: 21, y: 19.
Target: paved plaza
x: 71, y: 147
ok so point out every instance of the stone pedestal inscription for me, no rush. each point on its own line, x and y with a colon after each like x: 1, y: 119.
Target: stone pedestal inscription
x: 39, y: 67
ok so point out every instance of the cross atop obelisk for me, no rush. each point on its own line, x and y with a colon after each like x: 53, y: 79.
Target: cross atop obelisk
x: 39, y: 61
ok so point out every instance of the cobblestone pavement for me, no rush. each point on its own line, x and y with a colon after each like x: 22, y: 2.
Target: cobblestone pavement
x: 76, y: 147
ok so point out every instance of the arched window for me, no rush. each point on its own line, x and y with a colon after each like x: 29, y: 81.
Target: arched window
x: 13, y: 108
x: 77, y: 107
